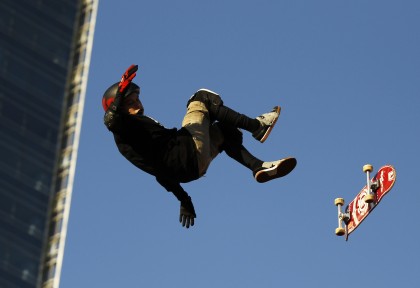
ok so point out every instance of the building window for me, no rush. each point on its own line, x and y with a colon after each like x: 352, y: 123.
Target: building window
x: 68, y: 140
x: 49, y: 272
x: 62, y: 182
x: 66, y: 159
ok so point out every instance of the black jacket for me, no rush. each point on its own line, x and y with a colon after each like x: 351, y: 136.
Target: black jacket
x: 167, y: 154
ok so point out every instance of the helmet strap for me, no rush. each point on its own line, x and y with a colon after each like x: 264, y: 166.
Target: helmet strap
x: 116, y: 103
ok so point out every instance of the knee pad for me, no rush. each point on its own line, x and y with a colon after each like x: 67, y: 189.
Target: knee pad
x: 209, y: 98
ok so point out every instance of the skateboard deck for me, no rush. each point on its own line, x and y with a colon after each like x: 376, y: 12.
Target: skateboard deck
x: 366, y: 200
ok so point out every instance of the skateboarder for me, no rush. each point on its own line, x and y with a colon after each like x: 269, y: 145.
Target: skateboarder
x: 182, y: 155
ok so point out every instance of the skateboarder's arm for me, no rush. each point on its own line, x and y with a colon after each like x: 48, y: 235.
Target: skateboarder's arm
x: 187, y: 211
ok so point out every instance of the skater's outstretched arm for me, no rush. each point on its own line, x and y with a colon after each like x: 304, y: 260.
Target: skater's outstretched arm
x: 187, y: 211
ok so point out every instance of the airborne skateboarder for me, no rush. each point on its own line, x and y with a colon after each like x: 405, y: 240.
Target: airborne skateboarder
x: 182, y: 155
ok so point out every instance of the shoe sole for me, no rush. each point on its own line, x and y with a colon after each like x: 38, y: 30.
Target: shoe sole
x: 267, y: 133
x: 282, y: 169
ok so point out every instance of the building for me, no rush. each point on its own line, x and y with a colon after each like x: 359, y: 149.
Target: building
x: 45, y: 48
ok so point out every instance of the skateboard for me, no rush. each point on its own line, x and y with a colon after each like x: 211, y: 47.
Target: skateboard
x: 367, y: 199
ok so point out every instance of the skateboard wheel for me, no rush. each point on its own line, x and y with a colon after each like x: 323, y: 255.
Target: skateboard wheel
x: 340, y: 231
x: 339, y: 201
x: 369, y: 198
x: 367, y: 168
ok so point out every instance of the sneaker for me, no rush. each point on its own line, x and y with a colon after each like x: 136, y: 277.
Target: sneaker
x: 275, y: 169
x: 267, y: 120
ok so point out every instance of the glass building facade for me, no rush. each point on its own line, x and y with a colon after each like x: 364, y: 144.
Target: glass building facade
x: 45, y: 48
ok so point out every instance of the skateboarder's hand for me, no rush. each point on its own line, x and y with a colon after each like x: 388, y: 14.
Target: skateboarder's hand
x: 126, y: 79
x: 187, y: 213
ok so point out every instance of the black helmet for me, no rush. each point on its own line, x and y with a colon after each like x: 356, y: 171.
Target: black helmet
x: 111, y: 92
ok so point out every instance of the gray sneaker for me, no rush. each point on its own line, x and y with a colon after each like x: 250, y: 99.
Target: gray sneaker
x: 276, y: 169
x: 267, y: 120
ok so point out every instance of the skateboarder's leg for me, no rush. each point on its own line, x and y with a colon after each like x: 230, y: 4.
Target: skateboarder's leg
x: 207, y: 139
x: 262, y: 171
x: 260, y: 127
x: 233, y: 147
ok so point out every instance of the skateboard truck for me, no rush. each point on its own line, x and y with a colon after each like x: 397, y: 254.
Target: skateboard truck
x: 370, y: 195
x: 342, y: 217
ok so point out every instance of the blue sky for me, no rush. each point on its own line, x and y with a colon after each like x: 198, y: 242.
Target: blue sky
x: 346, y: 74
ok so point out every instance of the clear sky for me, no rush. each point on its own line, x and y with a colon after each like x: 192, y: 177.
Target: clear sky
x: 347, y: 75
